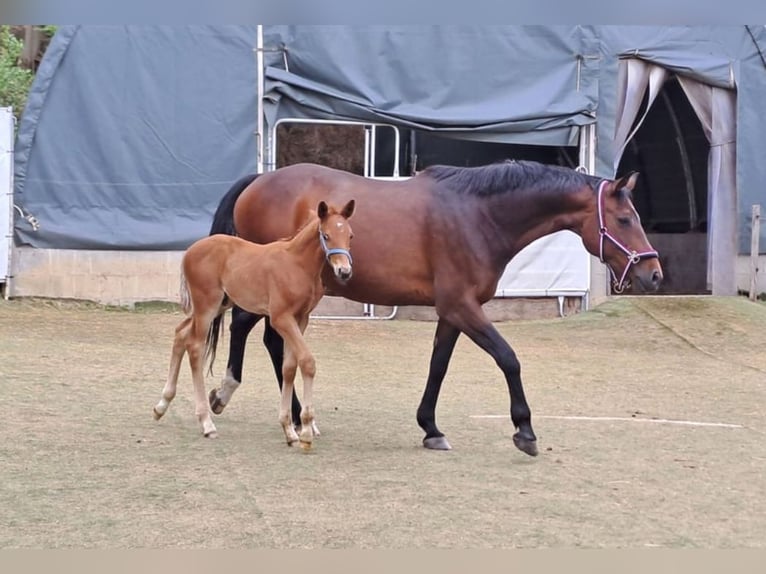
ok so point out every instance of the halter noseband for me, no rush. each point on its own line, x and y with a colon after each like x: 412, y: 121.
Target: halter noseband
x: 334, y: 250
x: 634, y: 257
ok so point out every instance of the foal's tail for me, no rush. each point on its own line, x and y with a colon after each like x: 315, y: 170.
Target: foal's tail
x: 213, y: 333
x: 223, y: 222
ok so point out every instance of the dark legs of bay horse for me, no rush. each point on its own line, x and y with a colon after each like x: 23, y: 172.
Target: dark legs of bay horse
x: 444, y: 343
x: 470, y: 319
x: 242, y: 322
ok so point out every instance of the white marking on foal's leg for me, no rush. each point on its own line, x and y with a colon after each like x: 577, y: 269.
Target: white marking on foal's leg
x: 307, y: 427
x: 161, y: 408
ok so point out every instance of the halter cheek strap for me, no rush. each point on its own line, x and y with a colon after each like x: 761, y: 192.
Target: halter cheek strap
x: 634, y: 257
x: 334, y: 250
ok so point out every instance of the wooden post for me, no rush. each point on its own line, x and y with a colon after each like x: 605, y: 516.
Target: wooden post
x: 32, y: 38
x: 754, y: 237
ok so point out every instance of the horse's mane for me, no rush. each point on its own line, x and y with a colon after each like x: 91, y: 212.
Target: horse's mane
x: 507, y: 176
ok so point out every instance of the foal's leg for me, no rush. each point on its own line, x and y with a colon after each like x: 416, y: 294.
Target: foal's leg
x: 242, y: 322
x: 276, y: 347
x: 289, y: 366
x: 177, y: 355
x: 469, y: 317
x: 297, y: 350
x: 444, y: 343
x: 195, y: 346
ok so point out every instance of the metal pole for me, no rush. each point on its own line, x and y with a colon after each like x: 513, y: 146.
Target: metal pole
x: 754, y: 248
x: 259, y: 104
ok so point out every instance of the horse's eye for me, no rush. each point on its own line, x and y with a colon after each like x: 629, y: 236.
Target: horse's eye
x: 624, y: 221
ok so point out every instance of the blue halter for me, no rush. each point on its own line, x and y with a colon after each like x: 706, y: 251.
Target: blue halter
x: 335, y: 250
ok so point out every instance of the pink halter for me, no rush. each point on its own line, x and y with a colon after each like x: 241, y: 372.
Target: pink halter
x: 634, y: 257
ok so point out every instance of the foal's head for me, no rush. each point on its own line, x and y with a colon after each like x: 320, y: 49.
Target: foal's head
x: 619, y: 239
x: 335, y: 236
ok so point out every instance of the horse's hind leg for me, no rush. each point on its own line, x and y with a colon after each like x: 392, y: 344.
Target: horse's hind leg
x: 242, y: 322
x: 177, y: 355
x: 195, y: 346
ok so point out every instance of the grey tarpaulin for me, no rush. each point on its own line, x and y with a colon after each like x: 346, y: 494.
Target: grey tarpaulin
x: 133, y: 133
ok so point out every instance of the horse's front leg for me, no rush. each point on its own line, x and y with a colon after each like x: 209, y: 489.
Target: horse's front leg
x: 469, y: 317
x: 275, y: 345
x: 444, y: 343
x: 289, y: 367
x: 300, y: 356
x: 242, y: 322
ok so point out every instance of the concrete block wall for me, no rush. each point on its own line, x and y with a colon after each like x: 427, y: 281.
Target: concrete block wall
x: 108, y: 277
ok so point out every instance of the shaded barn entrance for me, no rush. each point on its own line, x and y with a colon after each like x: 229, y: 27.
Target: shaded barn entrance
x: 670, y: 151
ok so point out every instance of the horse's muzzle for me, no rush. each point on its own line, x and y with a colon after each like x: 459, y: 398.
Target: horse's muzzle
x: 343, y: 273
x: 649, y: 280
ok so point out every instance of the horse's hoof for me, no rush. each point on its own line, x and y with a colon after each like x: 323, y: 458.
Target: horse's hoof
x: 215, y: 403
x: 528, y: 446
x: 437, y: 443
x: 156, y: 414
x: 211, y: 434
x: 306, y: 446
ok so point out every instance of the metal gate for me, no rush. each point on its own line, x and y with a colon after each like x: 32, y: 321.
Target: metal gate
x: 370, y: 157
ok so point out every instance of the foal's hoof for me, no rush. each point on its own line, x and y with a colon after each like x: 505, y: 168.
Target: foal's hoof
x: 526, y: 445
x: 211, y: 434
x: 437, y: 443
x: 215, y: 403
x: 306, y: 446
x: 156, y: 414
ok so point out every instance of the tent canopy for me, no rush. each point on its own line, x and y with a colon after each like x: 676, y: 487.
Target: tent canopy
x: 133, y: 133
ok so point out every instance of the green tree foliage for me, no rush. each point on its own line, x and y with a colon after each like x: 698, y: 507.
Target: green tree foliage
x: 15, y: 81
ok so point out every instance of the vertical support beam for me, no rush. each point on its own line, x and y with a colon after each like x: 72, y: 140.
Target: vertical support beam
x: 755, y: 233
x: 259, y: 135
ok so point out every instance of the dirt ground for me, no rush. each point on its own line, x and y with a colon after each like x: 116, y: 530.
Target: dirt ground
x: 649, y: 414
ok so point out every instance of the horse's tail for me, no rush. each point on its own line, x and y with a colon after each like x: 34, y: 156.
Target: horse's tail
x: 223, y: 220
x: 183, y: 294
x: 212, y: 341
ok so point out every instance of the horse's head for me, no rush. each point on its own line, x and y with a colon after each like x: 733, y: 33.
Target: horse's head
x: 618, y: 238
x: 335, y: 236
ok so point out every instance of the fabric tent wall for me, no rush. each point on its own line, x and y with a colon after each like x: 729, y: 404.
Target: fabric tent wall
x: 132, y: 134
x: 314, y: 72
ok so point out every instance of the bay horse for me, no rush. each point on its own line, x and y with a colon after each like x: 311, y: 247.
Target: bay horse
x: 442, y: 238
x: 281, y: 280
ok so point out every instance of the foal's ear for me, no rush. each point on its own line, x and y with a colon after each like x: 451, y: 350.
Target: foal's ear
x: 626, y: 181
x: 348, y: 210
x: 322, y: 210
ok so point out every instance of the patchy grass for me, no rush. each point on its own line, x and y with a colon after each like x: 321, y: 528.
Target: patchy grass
x: 86, y: 466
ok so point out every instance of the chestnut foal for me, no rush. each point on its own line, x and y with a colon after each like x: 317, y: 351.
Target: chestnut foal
x: 282, y: 280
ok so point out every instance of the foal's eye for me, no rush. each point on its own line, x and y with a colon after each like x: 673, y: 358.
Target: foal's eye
x: 325, y: 236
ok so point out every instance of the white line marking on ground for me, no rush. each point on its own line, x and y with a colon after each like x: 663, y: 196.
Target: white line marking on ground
x: 630, y: 419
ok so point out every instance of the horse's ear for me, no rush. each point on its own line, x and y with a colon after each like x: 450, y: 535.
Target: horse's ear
x: 627, y: 181
x: 322, y: 210
x: 348, y: 210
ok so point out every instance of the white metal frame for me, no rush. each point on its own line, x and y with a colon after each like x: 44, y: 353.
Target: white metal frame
x: 6, y: 201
